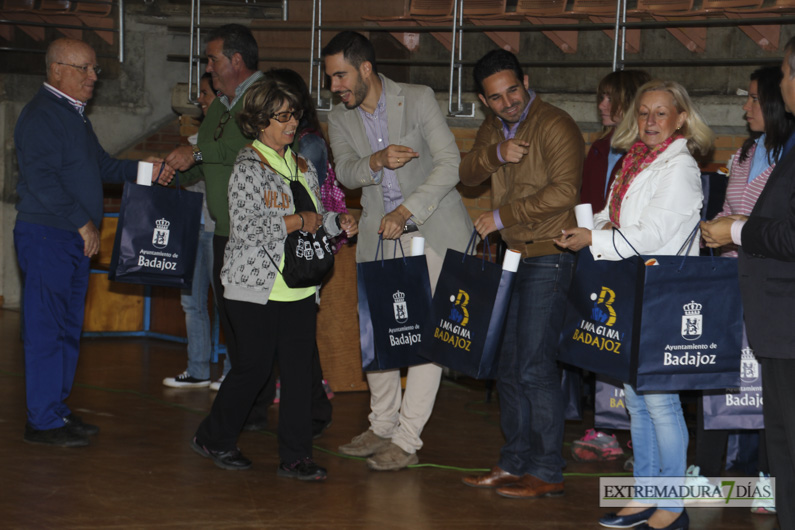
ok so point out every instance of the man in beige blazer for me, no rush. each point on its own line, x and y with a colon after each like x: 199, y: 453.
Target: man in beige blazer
x: 392, y: 141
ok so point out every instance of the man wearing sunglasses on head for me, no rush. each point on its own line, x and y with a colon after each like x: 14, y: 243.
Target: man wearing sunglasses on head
x: 232, y: 60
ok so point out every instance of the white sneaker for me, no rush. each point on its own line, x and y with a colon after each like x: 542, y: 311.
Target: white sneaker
x: 183, y: 380
x: 700, y: 487
x: 215, y: 385
x: 767, y: 505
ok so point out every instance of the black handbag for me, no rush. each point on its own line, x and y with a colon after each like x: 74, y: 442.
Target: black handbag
x: 308, y: 258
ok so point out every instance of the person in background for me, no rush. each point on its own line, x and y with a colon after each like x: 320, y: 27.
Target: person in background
x: 61, y: 170
x: 656, y: 201
x: 614, y: 95
x: 767, y: 272
x: 770, y: 126
x: 270, y: 319
x: 311, y: 143
x: 194, y: 302
x: 309, y: 139
x: 233, y: 59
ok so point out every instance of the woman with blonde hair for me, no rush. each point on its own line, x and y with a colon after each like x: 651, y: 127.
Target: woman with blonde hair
x: 655, y: 201
x: 615, y: 95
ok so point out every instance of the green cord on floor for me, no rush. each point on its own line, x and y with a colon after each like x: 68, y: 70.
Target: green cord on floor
x: 185, y: 408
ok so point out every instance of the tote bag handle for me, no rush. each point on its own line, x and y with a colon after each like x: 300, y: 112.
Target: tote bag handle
x: 686, y: 246
x: 472, y: 247
x: 379, y: 249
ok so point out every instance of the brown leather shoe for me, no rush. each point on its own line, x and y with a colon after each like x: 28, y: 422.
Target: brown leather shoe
x: 493, y: 479
x: 530, y: 487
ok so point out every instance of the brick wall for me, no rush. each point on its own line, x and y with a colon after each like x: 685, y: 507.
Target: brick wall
x: 477, y: 199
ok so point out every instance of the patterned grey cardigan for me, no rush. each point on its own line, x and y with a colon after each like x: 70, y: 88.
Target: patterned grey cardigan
x: 259, y: 198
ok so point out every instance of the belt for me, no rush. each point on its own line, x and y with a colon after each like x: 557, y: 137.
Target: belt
x: 533, y: 249
x: 410, y: 228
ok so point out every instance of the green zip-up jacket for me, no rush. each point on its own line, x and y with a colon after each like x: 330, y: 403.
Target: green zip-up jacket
x: 218, y: 159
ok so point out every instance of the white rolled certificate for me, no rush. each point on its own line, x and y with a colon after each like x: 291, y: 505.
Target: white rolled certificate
x: 145, y: 173
x: 417, y: 246
x: 511, y: 261
x: 584, y: 214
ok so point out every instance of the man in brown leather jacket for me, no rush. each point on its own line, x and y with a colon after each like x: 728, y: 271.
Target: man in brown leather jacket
x: 533, y: 153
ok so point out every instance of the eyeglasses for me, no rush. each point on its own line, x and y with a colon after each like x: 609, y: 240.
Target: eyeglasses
x: 219, y: 131
x: 284, y: 117
x: 94, y: 67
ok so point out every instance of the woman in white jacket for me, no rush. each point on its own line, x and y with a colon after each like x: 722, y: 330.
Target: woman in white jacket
x: 655, y: 201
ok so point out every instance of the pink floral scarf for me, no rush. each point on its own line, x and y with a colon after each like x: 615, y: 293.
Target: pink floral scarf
x: 638, y: 158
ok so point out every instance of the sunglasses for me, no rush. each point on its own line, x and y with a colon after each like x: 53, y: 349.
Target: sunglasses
x: 284, y: 117
x: 219, y: 131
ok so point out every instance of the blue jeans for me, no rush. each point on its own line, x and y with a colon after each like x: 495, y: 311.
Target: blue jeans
x: 528, y: 380
x: 659, y: 438
x: 55, y: 281
x: 197, y: 319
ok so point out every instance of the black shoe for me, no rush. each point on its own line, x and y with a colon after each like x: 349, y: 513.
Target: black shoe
x: 75, y: 423
x: 256, y: 425
x: 232, y: 460
x: 60, y: 437
x: 304, y: 469
x: 318, y: 428
x: 611, y: 520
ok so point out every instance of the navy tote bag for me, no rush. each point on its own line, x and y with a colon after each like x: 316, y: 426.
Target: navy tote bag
x: 661, y: 323
x: 467, y: 314
x: 737, y: 408
x: 690, y: 324
x: 157, y: 236
x: 394, y: 297
x: 600, y: 322
x: 610, y: 407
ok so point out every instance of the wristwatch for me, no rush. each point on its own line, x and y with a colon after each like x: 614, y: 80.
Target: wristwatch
x: 197, y: 154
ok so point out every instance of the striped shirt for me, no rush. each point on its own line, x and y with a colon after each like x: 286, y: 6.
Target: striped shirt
x: 377, y: 131
x: 79, y: 106
x: 741, y: 195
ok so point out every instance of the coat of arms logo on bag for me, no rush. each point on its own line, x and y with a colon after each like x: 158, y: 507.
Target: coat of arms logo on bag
x: 160, y: 234
x: 692, y: 321
x: 749, y: 367
x: 400, y: 308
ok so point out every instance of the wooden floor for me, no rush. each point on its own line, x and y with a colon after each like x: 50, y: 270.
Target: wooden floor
x: 140, y: 472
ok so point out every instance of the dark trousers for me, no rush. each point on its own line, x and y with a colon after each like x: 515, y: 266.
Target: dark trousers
x: 277, y: 330
x: 778, y: 391
x: 711, y: 446
x: 321, y: 406
x: 531, y: 401
x: 55, y: 281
